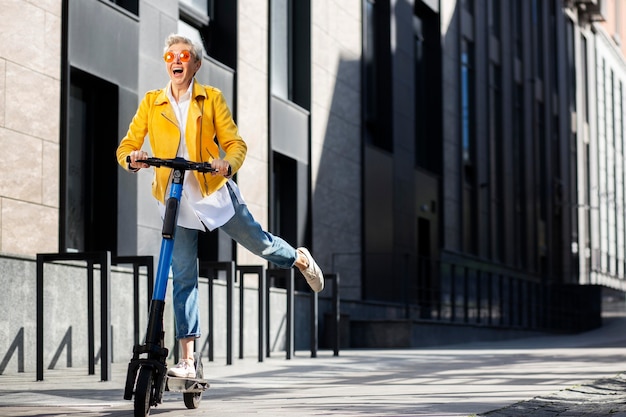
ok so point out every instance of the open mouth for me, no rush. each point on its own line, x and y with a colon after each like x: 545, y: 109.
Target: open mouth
x: 177, y: 71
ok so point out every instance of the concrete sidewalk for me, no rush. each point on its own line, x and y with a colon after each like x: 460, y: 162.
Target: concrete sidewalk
x: 603, y: 397
x: 577, y: 375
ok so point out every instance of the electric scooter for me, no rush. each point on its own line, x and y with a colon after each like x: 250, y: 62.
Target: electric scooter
x: 147, y: 375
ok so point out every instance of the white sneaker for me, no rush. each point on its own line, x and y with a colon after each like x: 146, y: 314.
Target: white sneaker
x: 313, y: 273
x: 184, y: 369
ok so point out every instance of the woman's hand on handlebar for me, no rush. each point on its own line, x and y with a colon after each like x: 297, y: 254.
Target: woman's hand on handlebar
x: 135, y: 156
x: 221, y: 167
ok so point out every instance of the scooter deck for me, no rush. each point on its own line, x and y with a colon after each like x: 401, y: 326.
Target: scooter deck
x: 175, y: 384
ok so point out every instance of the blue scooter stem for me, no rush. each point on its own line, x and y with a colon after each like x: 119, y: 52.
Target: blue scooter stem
x: 167, y: 243
x: 160, y: 284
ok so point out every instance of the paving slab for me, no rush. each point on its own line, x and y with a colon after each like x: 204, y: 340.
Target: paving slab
x: 539, y: 377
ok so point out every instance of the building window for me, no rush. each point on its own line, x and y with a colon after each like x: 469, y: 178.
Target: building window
x: 290, y: 51
x: 193, y: 20
x: 585, y: 77
x: 284, y: 207
x: 620, y: 176
x: 599, y: 253
x: 427, y: 92
x: 468, y: 148
x: 612, y: 149
x: 518, y: 17
x: 191, y: 32
x: 467, y: 105
x: 89, y: 181
x: 289, y: 204
x: 519, y: 184
x: 281, y: 80
x: 213, y: 24
x: 369, y: 61
x: 377, y: 74
x: 498, y: 157
x: 468, y: 5
x: 494, y: 7
x: 544, y: 181
x: 201, y: 6
x: 130, y: 5
x: 537, y: 24
x: 554, y: 44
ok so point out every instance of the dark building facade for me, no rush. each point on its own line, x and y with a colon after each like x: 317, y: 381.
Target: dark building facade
x: 471, y: 180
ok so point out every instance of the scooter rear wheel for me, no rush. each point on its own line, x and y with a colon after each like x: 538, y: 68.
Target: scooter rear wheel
x: 192, y: 399
x: 143, y: 392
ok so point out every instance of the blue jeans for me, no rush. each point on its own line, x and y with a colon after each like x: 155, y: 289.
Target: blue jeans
x: 243, y: 229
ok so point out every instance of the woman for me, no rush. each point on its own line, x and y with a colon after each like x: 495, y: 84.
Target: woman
x: 193, y: 121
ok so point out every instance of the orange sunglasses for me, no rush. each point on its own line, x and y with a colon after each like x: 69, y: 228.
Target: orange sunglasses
x: 183, y: 55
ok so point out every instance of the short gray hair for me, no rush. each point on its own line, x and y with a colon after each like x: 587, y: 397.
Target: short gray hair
x: 175, y: 38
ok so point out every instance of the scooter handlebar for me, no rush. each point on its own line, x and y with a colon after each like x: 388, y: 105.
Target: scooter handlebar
x: 178, y: 163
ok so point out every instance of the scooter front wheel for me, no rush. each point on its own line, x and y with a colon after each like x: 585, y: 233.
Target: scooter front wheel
x: 143, y: 392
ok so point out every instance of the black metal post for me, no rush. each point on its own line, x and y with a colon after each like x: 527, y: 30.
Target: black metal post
x: 241, y: 314
x: 211, y: 320
x: 313, y: 338
x: 242, y: 290
x: 490, y: 297
x: 39, y: 297
x: 436, y: 271
x: 336, y: 312
x: 452, y: 293
x: 288, y: 275
x: 334, y: 278
x: 211, y: 268
x: 137, y: 262
x: 91, y: 327
x: 136, y: 304
x: 259, y: 271
x: 479, y: 296
x: 289, y: 331
x: 465, y: 295
x: 511, y: 301
x: 105, y: 315
x: 501, y: 298
x: 268, y: 348
x: 230, y: 284
x: 104, y: 260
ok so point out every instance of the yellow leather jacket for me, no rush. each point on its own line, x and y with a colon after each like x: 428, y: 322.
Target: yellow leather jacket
x: 210, y: 126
